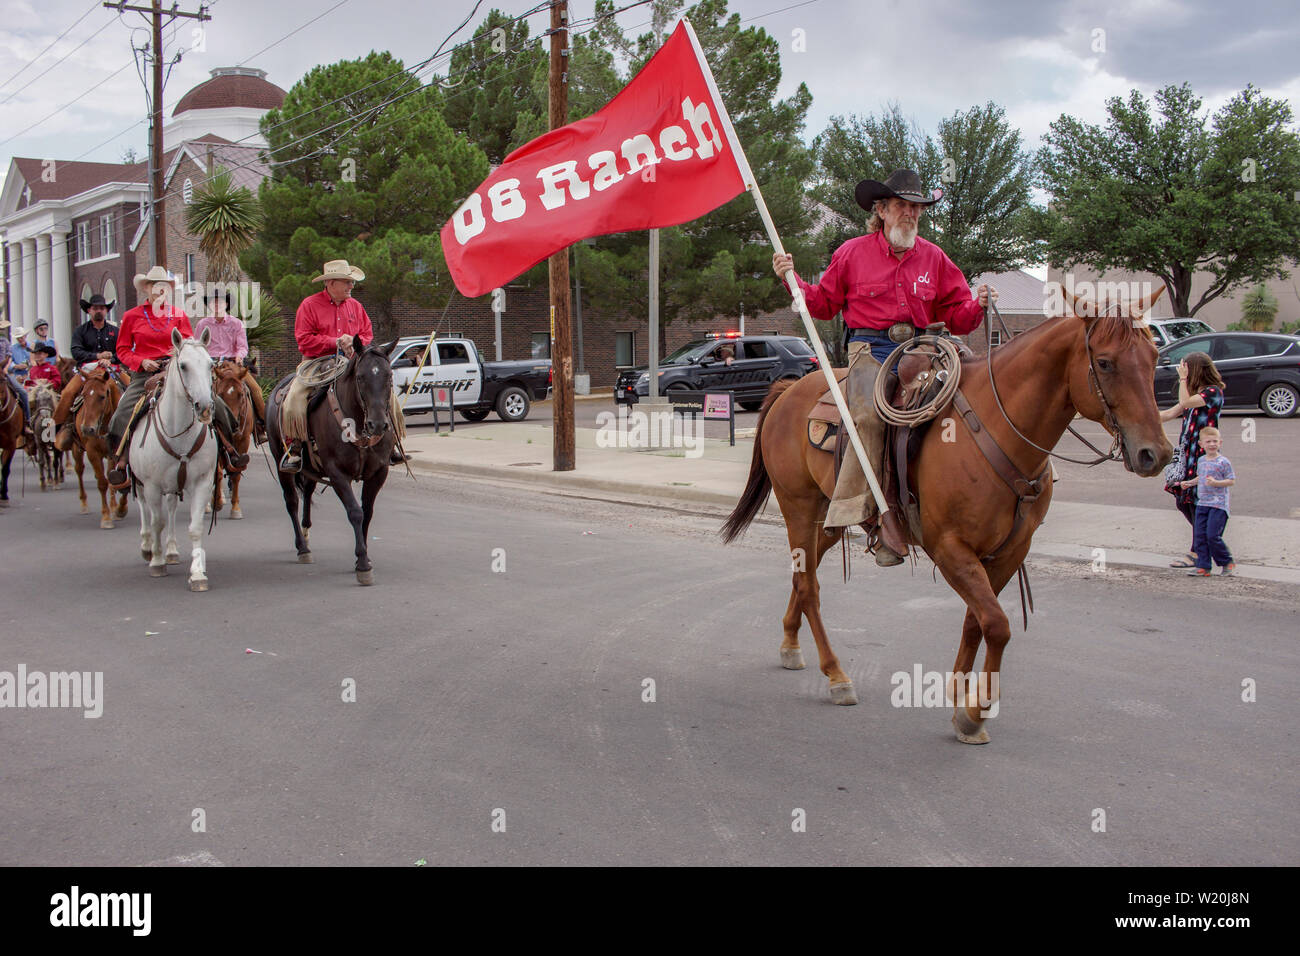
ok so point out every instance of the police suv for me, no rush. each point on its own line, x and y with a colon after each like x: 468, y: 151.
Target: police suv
x: 454, y: 370
x: 756, y: 362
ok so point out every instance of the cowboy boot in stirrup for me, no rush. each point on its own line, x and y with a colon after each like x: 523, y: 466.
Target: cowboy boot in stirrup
x: 64, y: 436
x: 291, y: 461
x: 118, y: 478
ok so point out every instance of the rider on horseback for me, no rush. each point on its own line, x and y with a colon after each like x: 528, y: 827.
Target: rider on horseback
x: 93, y: 341
x: 230, y: 342
x: 8, y: 370
x: 328, y: 321
x: 144, y: 345
x: 889, y: 284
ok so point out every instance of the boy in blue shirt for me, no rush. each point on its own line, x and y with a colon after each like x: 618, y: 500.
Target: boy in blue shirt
x: 1214, y: 476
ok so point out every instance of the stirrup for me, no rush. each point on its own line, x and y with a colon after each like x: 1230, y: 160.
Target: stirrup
x: 118, y: 478
x: 290, y: 464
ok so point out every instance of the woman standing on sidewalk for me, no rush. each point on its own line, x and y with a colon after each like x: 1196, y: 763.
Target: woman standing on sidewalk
x: 1200, y: 397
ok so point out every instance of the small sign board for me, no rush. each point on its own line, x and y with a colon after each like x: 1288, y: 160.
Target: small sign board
x: 720, y: 406
x: 441, y: 399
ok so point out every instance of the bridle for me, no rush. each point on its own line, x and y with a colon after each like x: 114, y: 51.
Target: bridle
x: 109, y: 382
x: 362, y: 442
x: 1118, y: 449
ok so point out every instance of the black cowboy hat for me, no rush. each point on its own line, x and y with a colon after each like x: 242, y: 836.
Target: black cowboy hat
x: 214, y: 294
x: 97, y: 299
x: 44, y: 347
x: 901, y: 184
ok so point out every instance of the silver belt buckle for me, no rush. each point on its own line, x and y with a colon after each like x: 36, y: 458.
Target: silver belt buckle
x: 901, y: 332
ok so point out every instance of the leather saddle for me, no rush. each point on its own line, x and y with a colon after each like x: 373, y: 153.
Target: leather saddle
x: 914, y: 382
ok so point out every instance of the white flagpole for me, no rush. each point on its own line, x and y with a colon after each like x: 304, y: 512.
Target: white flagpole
x: 796, y: 293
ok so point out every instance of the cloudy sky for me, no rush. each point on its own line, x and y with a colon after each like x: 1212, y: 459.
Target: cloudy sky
x: 77, y: 96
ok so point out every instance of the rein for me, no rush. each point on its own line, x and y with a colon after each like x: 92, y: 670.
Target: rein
x: 1110, y: 421
x: 183, y: 471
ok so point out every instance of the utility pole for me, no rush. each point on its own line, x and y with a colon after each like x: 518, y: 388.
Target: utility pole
x: 155, y: 12
x: 561, y: 333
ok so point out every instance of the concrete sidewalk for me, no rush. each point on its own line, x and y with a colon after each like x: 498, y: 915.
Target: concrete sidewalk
x: 1265, y: 548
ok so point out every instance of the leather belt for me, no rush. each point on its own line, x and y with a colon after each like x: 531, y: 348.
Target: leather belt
x: 898, y: 333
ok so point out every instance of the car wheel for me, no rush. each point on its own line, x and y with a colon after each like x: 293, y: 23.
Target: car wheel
x: 474, y: 414
x: 513, y: 404
x: 1279, y: 401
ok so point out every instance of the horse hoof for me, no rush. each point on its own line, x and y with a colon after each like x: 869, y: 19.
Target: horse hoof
x: 365, y: 578
x: 199, y: 585
x: 157, y: 570
x: 792, y: 659
x: 147, y: 555
x: 85, y: 510
x: 305, y: 558
x: 968, y: 731
x: 106, y: 524
x: 173, y: 559
x: 843, y: 695
x: 236, y: 514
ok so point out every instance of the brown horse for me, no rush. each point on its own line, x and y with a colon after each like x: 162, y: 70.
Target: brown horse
x: 969, y: 523
x: 41, y: 398
x: 11, y: 434
x: 230, y: 387
x: 100, y: 393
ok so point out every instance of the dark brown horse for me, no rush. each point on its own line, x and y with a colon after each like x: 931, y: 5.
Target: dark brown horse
x: 229, y: 387
x: 100, y: 393
x: 968, y: 513
x: 11, y: 433
x: 351, y: 440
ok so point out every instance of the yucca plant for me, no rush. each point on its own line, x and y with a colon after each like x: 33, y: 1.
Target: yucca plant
x: 268, y: 331
x: 226, y: 220
x: 1258, y: 308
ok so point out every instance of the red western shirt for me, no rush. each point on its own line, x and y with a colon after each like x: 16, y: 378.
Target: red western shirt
x: 45, y: 372
x: 320, y: 322
x: 874, y: 289
x: 146, y: 335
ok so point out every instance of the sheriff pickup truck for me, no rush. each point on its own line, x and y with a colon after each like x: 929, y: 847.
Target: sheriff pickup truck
x: 475, y: 387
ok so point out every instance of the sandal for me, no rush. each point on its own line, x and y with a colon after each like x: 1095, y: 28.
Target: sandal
x: 1185, y: 562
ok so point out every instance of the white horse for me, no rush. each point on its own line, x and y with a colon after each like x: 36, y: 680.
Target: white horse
x: 173, y: 454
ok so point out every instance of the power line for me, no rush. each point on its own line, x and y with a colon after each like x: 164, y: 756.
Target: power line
x: 29, y: 63
x: 287, y: 35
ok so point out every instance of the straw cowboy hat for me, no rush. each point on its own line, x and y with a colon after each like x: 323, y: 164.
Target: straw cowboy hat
x: 339, y: 269
x: 901, y: 184
x: 144, y: 282
x: 4, y: 324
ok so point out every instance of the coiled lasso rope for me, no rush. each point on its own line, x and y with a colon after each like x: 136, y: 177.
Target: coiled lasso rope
x: 950, y: 376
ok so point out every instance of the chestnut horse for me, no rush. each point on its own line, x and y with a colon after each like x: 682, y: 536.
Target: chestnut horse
x: 100, y: 393
x: 969, y: 523
x: 11, y: 433
x: 230, y: 387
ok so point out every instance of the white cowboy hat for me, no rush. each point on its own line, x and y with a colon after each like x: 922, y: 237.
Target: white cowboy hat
x: 19, y: 332
x: 144, y: 281
x: 339, y: 269
x: 4, y: 323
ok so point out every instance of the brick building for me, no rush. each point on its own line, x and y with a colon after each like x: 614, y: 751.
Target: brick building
x: 72, y: 229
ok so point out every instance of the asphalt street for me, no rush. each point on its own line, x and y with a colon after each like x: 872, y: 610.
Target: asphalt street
x: 502, y: 717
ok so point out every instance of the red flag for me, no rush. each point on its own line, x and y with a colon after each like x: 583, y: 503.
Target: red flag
x: 657, y: 155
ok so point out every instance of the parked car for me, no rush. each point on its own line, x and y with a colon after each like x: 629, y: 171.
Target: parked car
x: 759, y: 360
x: 477, y: 387
x: 1259, y: 369
x: 1168, y: 331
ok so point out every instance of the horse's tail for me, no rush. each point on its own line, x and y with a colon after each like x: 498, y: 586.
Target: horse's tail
x: 759, y: 485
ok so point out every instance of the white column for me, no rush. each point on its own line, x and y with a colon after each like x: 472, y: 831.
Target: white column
x: 60, y: 304
x: 29, y: 283
x: 43, y: 277
x: 15, y: 251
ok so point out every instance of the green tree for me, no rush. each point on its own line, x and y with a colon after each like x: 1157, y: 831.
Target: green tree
x: 710, y: 266
x: 370, y: 179
x: 491, y: 84
x: 226, y: 219
x: 978, y: 160
x: 1176, y: 193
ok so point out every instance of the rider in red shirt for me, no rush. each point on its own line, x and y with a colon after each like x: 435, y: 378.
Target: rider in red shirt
x: 44, y: 370
x: 889, y: 284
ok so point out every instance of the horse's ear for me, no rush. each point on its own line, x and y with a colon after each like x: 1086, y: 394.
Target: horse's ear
x: 1083, y: 308
x: 176, y: 338
x: 1143, y: 305
x: 205, y: 336
x: 388, y: 349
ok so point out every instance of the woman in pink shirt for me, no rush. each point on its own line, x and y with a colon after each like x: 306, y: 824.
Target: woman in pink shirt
x: 229, y: 341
